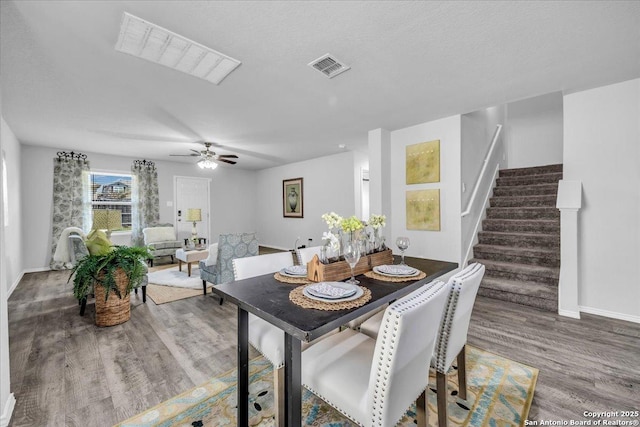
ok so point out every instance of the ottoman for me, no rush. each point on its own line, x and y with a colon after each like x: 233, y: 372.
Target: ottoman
x: 190, y: 256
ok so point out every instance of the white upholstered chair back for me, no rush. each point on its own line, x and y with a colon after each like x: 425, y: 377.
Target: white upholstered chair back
x: 244, y: 268
x: 306, y: 254
x: 455, y: 321
x: 400, y: 368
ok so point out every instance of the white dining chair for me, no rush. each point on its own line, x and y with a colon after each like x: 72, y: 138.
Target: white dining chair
x: 263, y: 336
x: 452, y: 335
x: 373, y: 382
x: 306, y: 254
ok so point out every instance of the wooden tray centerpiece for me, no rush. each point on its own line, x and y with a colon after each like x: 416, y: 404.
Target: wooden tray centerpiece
x: 340, y: 270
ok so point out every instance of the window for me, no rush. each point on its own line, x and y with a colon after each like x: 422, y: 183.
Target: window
x: 5, y: 191
x: 112, y: 191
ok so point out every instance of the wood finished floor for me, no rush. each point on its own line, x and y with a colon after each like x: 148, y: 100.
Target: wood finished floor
x: 67, y: 372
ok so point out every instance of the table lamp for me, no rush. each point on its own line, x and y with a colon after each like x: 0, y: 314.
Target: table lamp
x: 194, y: 215
x: 107, y: 219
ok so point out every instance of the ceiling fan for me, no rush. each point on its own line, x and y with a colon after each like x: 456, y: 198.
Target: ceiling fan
x: 208, y: 158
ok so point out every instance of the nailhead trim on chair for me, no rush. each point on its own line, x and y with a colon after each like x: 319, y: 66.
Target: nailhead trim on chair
x: 388, y: 342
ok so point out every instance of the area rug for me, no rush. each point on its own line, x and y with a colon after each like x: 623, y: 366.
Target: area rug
x: 499, y: 393
x: 179, y: 279
x: 165, y: 294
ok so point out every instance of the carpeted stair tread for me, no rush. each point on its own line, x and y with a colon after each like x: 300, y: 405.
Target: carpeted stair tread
x: 524, y: 272
x: 525, y: 190
x: 519, y: 201
x: 537, y: 256
x: 550, y: 303
x: 519, y: 287
x: 545, y: 226
x: 524, y: 213
x: 529, y: 179
x: 532, y: 170
x: 521, y: 240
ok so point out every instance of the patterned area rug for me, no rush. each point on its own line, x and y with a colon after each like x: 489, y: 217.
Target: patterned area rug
x: 499, y: 394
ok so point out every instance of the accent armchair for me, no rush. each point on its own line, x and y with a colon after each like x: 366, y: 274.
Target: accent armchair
x: 162, y: 239
x: 218, y: 267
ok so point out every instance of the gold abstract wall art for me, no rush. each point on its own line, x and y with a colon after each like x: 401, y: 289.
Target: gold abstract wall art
x: 423, y: 210
x: 423, y: 162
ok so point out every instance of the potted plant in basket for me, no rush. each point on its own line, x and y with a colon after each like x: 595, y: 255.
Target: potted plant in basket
x: 110, y: 275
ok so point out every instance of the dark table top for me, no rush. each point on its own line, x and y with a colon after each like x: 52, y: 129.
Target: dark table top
x: 268, y: 298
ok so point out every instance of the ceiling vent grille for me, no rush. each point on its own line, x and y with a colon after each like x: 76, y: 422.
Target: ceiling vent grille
x: 156, y: 44
x: 329, y: 65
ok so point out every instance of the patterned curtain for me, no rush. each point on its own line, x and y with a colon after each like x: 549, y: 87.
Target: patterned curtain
x: 71, y: 202
x: 145, y: 203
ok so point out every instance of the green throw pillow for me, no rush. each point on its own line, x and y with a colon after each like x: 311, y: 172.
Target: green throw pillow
x: 98, y: 243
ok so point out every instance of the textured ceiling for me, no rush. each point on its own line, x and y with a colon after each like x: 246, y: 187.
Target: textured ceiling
x: 65, y: 86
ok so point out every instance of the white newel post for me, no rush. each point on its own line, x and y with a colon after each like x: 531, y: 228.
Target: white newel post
x: 569, y: 202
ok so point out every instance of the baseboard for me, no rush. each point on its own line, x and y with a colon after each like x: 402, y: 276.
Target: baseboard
x: 611, y: 314
x: 8, y: 410
x: 14, y: 285
x: 569, y: 313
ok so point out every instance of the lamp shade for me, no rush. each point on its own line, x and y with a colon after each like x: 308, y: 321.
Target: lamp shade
x: 107, y: 219
x: 194, y: 214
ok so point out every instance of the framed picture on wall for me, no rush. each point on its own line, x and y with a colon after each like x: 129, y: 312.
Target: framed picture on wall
x: 292, y: 198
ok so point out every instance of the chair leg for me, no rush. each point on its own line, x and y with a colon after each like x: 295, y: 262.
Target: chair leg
x: 422, y: 410
x: 221, y: 301
x: 151, y: 262
x: 136, y: 291
x: 83, y: 305
x: 441, y: 391
x: 462, y: 375
x: 144, y: 294
x: 279, y: 397
x: 204, y: 287
x: 171, y: 258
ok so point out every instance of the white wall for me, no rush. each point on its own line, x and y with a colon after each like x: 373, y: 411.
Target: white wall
x: 14, y: 258
x: 232, y: 196
x: 445, y: 244
x: 535, y: 131
x: 329, y: 184
x: 6, y: 397
x: 602, y: 149
x: 478, y: 129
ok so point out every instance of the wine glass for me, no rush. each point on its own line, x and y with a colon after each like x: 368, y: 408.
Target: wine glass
x: 403, y: 244
x: 352, y: 256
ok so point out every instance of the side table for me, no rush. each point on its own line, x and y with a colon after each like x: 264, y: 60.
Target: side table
x: 190, y: 256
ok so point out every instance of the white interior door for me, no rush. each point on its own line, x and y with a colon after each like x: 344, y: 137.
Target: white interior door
x: 192, y: 193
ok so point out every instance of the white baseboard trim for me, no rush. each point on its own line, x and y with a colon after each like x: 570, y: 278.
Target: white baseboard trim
x: 14, y: 285
x: 569, y: 313
x: 8, y: 410
x: 611, y: 314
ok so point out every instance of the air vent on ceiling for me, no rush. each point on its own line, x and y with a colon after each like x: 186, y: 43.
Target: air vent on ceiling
x: 156, y: 44
x: 329, y: 65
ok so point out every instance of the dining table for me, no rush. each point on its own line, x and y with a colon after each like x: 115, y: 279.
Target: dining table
x: 268, y: 298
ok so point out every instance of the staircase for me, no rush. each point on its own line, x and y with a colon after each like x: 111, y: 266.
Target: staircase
x: 520, y: 241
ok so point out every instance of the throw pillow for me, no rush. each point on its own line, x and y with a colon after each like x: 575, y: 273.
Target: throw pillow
x: 98, y: 243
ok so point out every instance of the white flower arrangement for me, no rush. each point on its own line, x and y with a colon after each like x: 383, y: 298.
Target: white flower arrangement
x: 332, y: 219
x: 332, y: 241
x: 377, y: 221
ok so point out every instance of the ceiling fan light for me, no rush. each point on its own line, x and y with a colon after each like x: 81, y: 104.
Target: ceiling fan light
x: 207, y: 164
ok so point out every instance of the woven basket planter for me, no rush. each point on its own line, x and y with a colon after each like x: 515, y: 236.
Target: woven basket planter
x: 114, y: 310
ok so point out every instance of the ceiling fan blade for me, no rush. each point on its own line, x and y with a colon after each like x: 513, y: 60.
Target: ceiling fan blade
x: 195, y: 151
x: 185, y: 155
x: 226, y: 161
x: 227, y: 156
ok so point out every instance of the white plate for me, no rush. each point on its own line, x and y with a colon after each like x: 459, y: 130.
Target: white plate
x: 396, y: 271
x: 295, y: 276
x: 343, y: 285
x: 347, y: 294
x: 296, y: 270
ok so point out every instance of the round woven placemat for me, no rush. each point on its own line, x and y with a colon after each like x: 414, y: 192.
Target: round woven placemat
x: 373, y: 275
x: 291, y: 280
x: 297, y: 297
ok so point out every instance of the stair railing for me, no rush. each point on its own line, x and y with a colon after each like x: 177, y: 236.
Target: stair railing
x: 496, y: 135
x: 476, y: 189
